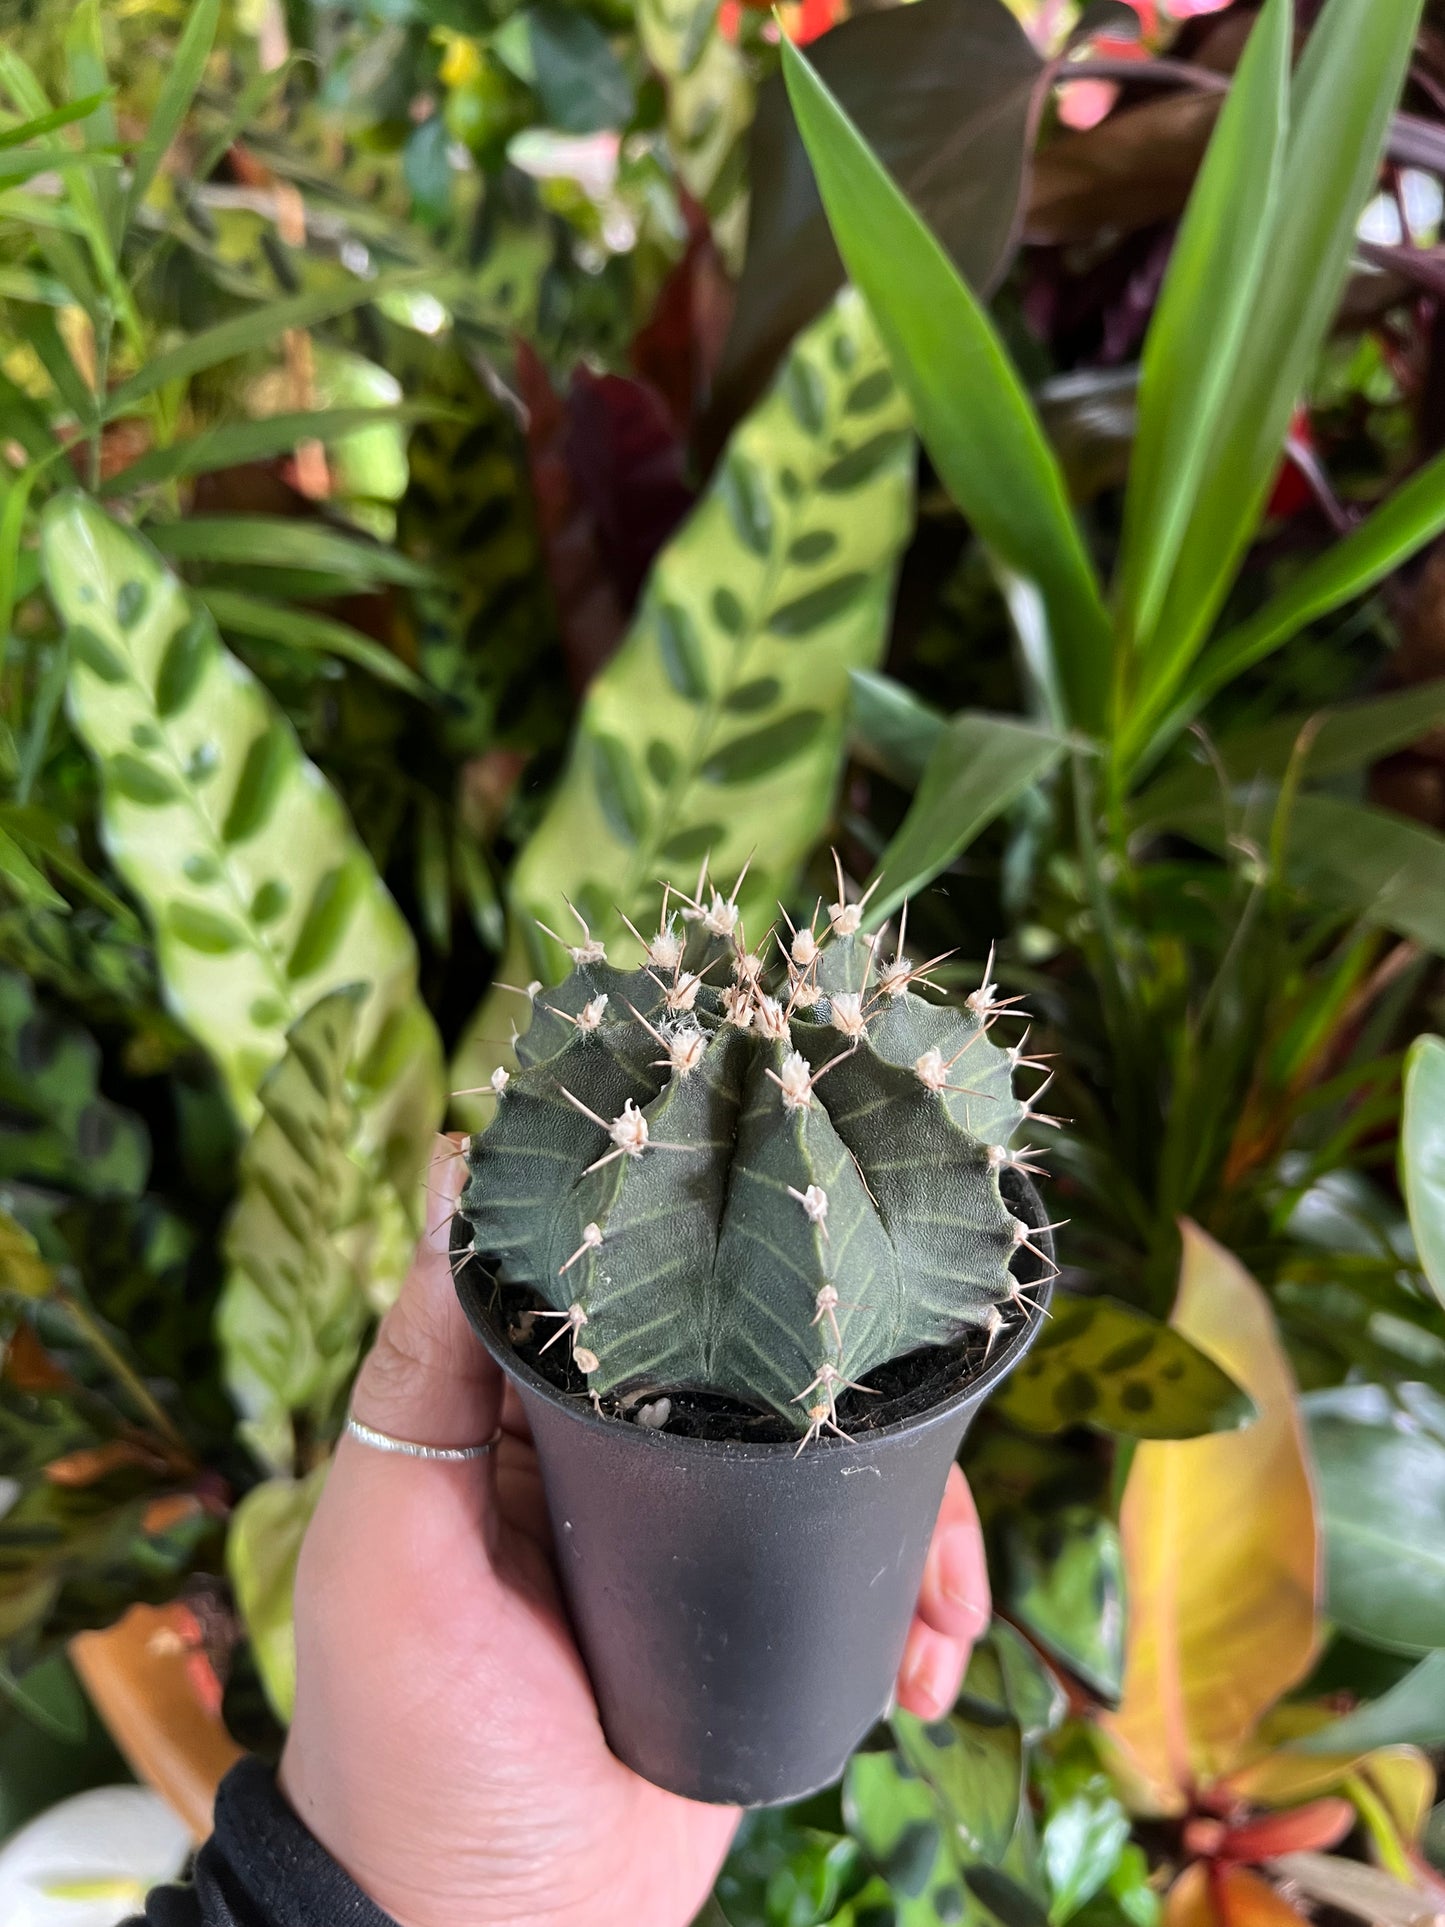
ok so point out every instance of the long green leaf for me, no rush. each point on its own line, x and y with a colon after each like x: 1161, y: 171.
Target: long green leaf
x: 261, y: 897
x: 1325, y: 742
x: 1369, y: 863
x: 1413, y: 516
x: 978, y: 768
x: 968, y: 402
x: 1422, y: 1155
x: 303, y: 629
x: 893, y: 730
x: 1199, y: 323
x: 261, y: 328
x: 228, y: 444
x: 187, y: 63
x: 1412, y: 1713
x: 1343, y: 95
x: 47, y: 123
x: 286, y: 542
x: 778, y: 585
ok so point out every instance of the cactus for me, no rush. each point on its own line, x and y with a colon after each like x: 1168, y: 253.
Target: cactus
x: 764, y: 1182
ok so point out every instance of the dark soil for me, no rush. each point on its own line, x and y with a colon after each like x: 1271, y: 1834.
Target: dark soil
x: 903, y: 1386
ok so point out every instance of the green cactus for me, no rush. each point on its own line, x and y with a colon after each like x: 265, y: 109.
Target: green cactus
x: 761, y: 1182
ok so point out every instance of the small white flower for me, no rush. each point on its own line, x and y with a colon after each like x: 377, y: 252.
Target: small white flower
x: 91, y: 1860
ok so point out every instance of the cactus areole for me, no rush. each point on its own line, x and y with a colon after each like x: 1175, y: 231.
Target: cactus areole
x: 757, y: 1175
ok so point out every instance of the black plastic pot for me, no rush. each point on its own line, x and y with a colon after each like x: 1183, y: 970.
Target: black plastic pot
x: 741, y: 1608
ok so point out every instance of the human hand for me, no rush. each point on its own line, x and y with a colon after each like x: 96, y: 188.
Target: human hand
x: 446, y: 1748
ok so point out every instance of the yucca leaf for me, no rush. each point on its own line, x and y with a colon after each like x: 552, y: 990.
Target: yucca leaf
x: 56, y: 117
x: 261, y: 897
x: 1343, y: 94
x: 1398, y: 529
x: 970, y: 407
x: 776, y: 587
x: 1203, y: 312
x: 977, y: 769
x: 1332, y: 742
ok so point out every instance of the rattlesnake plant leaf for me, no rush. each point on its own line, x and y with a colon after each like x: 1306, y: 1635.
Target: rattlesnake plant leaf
x: 55, y: 1127
x: 261, y: 897
x: 709, y: 109
x: 1100, y: 1363
x: 777, y: 586
x: 299, y: 1244
x: 262, y: 1548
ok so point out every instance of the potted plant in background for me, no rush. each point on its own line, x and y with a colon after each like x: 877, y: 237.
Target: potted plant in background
x: 753, y: 1244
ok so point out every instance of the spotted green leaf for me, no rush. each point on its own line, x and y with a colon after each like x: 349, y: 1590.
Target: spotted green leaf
x: 1104, y: 1364
x: 261, y: 897
x: 709, y: 108
x: 301, y: 1241
x: 1422, y: 1155
x: 262, y: 1548
x: 55, y: 1127
x: 1065, y: 1584
x: 739, y: 663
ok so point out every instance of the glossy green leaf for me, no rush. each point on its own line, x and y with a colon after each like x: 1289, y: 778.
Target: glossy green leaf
x: 300, y: 1242
x: 896, y: 1817
x: 582, y: 86
x: 1065, y: 1584
x: 1085, y: 1828
x: 261, y: 897
x: 1344, y: 91
x: 973, y: 1763
x: 731, y: 783
x: 1422, y: 1155
x: 1409, y: 519
x: 978, y: 768
x: 262, y: 1547
x: 1101, y: 1363
x: 970, y: 79
x: 1382, y: 1502
x: 968, y: 401
x: 1201, y: 319
x: 1411, y: 1713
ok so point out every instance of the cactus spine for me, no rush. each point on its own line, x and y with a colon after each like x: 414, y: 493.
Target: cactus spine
x: 759, y: 1181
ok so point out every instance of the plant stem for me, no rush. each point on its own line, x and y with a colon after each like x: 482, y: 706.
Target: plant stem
x: 124, y: 1373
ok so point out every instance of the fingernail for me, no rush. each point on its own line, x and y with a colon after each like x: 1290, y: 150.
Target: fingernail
x: 930, y: 1675
x: 961, y: 1578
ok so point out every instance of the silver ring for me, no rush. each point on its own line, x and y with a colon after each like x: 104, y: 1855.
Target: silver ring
x: 452, y: 1454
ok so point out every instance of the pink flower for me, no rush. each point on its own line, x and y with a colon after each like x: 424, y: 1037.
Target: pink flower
x: 1084, y: 103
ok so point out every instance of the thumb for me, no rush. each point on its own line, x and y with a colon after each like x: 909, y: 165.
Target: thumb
x: 428, y: 1379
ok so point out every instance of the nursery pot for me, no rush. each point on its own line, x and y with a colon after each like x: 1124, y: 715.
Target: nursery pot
x: 742, y: 1607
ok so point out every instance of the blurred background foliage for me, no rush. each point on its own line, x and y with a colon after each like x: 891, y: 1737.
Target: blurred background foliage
x: 439, y: 470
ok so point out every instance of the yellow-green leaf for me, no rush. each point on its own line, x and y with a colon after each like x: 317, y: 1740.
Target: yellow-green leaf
x: 267, y: 1528
x: 1221, y: 1549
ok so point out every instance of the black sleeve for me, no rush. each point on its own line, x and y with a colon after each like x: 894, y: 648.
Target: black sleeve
x: 261, y: 1868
